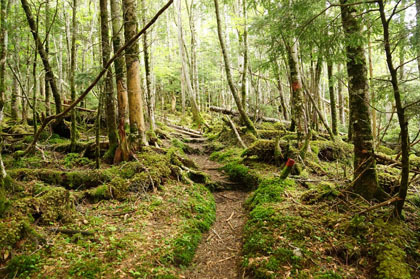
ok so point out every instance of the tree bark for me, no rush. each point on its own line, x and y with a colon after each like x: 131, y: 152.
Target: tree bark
x: 135, y: 98
x: 13, y: 102
x: 185, y: 72
x: 341, y: 102
x: 3, y: 57
x: 372, y: 90
x: 146, y: 55
x: 332, y: 97
x: 245, y: 55
x: 122, y: 153
x: 73, y: 132
x: 248, y: 123
x: 417, y: 40
x: 109, y: 85
x: 59, y: 127
x: 47, y: 48
x: 403, y: 121
x: 297, y: 91
x: 365, y: 177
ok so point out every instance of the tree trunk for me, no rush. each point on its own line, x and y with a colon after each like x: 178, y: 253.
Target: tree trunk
x: 135, y: 95
x: 3, y: 57
x: 47, y: 49
x: 146, y: 55
x: 417, y: 35
x: 109, y: 85
x: 13, y: 102
x: 405, y: 143
x: 185, y: 72
x: 372, y: 90
x: 280, y: 89
x: 73, y: 133
x: 58, y: 127
x: 297, y: 98
x: 365, y: 178
x: 245, y: 54
x: 244, y: 116
x: 122, y: 151
x: 332, y: 97
x: 341, y: 102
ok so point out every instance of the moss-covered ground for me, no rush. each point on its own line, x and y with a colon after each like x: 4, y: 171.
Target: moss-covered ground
x: 61, y: 218
x: 311, y: 225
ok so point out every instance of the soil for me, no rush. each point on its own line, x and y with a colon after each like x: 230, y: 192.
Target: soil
x: 219, y: 254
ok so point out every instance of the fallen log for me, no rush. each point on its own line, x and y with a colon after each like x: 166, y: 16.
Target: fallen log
x: 235, y: 113
x: 384, y: 160
x: 232, y: 125
x: 184, y: 129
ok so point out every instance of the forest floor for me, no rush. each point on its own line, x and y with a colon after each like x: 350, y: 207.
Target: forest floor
x: 199, y: 206
x: 219, y: 254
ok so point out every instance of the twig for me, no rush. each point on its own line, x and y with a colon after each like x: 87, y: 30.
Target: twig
x: 388, y: 202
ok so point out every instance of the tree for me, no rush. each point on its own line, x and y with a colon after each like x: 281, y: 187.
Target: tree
x: 109, y: 85
x: 73, y: 135
x: 59, y: 127
x: 402, y: 119
x: 135, y: 98
x: 122, y: 153
x: 146, y: 55
x: 365, y: 178
x: 233, y: 90
x: 185, y: 69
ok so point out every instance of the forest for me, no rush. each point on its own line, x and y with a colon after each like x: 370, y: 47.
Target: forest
x: 210, y: 139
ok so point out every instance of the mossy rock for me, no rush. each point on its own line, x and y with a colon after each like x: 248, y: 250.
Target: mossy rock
x: 264, y: 150
x: 332, y: 151
x: 227, y: 155
x: 240, y: 173
x: 269, y: 191
x: 320, y: 192
x: 53, y: 204
x: 269, y: 134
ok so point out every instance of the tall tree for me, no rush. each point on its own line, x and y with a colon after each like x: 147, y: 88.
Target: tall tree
x: 297, y: 90
x: 333, y: 107
x: 59, y: 127
x: 122, y: 153
x: 109, y: 85
x: 146, y: 55
x: 184, y: 67
x: 417, y: 35
x: 73, y: 133
x: 135, y: 98
x: 3, y: 57
x: 402, y: 119
x: 244, y: 117
x: 365, y: 178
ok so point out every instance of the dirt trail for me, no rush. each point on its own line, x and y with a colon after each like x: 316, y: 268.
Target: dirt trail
x: 219, y: 254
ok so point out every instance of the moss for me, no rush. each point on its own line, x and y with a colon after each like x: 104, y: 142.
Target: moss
x: 53, y: 204
x: 22, y: 266
x: 200, y: 213
x: 264, y: 150
x: 386, y: 150
x: 320, y: 192
x: 390, y: 241
x: 86, y: 268
x: 242, y: 174
x: 265, y: 254
x: 269, y: 191
x: 332, y: 151
x: 72, y: 160
x: 227, y: 155
x: 268, y: 134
